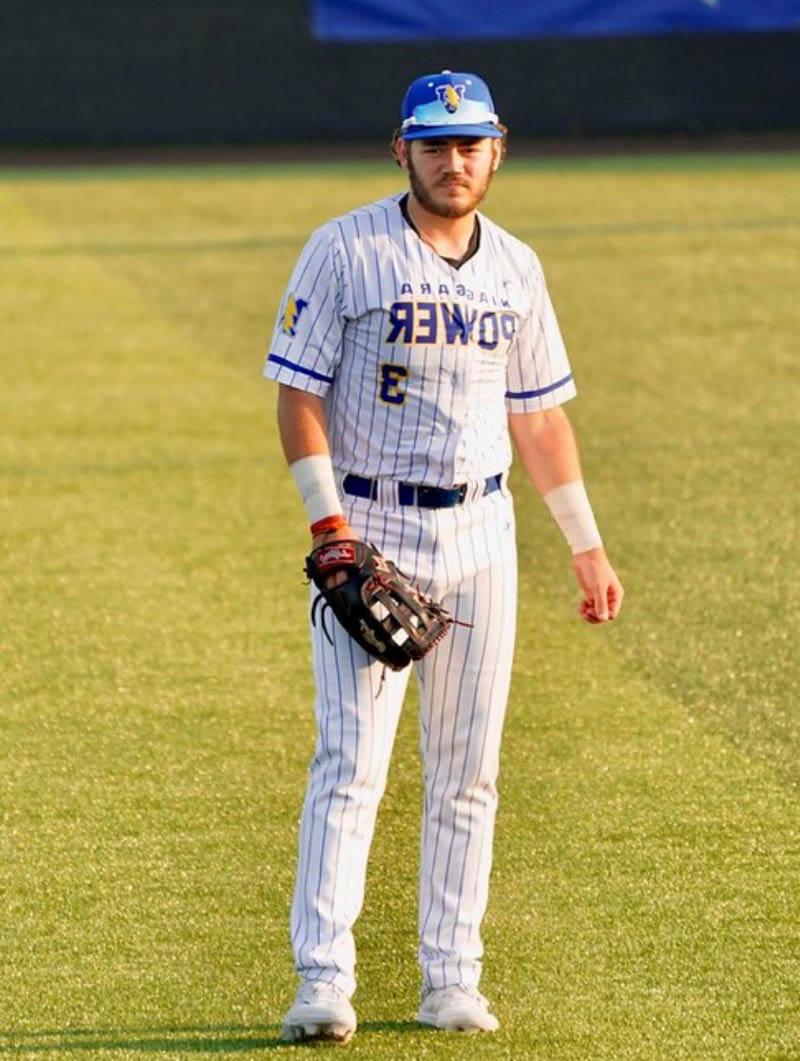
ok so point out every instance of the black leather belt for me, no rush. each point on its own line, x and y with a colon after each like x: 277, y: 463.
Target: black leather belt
x: 422, y: 496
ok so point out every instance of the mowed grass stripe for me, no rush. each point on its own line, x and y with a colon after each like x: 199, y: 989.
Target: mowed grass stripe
x: 647, y: 938
x: 118, y: 604
x: 261, y: 243
x: 156, y: 707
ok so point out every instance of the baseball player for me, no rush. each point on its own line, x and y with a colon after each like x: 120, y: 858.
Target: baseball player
x: 416, y: 338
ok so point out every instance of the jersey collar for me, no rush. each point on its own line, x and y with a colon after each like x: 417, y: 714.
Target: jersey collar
x: 474, y: 239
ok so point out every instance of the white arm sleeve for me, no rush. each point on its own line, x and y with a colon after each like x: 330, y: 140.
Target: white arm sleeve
x: 539, y: 374
x: 307, y: 341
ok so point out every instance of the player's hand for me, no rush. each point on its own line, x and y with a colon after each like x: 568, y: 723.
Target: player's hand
x: 602, y: 590
x: 342, y: 534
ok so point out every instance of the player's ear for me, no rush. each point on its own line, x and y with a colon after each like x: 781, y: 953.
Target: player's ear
x: 497, y: 154
x: 400, y: 152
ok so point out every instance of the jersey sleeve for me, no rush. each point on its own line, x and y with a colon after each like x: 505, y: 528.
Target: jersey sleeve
x: 306, y: 344
x: 539, y: 374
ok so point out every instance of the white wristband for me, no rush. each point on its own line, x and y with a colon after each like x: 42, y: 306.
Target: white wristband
x: 571, y: 510
x: 317, y: 485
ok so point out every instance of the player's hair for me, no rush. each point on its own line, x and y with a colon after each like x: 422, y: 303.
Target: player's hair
x: 398, y: 135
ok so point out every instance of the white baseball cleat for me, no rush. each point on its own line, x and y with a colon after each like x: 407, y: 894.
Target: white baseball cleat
x: 456, y: 1009
x: 319, y: 1012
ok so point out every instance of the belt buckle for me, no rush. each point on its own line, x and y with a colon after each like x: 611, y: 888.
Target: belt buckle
x: 425, y: 496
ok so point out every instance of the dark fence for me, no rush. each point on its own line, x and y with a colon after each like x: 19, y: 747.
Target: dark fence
x: 248, y: 71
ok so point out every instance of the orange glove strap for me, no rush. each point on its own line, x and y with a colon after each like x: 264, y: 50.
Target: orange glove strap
x: 329, y: 523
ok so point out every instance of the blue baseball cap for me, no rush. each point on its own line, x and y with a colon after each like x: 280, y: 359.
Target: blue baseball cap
x: 448, y: 104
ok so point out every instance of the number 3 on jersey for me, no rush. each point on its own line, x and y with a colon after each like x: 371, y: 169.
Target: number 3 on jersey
x: 392, y: 379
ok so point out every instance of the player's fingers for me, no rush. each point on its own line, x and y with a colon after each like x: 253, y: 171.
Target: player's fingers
x: 615, y: 595
x: 601, y: 602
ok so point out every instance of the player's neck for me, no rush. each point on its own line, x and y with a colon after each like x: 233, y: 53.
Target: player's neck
x: 449, y: 236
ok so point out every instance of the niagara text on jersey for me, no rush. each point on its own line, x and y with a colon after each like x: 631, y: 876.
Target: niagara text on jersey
x: 419, y: 362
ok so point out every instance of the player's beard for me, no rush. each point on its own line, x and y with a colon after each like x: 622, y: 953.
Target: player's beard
x: 424, y: 195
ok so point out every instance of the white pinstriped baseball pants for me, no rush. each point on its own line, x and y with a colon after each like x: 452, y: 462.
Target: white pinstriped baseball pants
x: 465, y: 557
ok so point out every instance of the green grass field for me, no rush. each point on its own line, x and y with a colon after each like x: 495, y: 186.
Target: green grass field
x: 155, y: 707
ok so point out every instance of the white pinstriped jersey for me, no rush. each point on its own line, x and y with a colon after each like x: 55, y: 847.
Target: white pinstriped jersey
x: 419, y: 362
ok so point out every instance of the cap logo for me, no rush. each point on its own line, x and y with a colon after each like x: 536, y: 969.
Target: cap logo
x: 451, y: 96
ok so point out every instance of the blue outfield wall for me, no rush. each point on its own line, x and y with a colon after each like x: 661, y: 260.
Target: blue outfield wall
x: 203, y: 72
x: 401, y: 20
